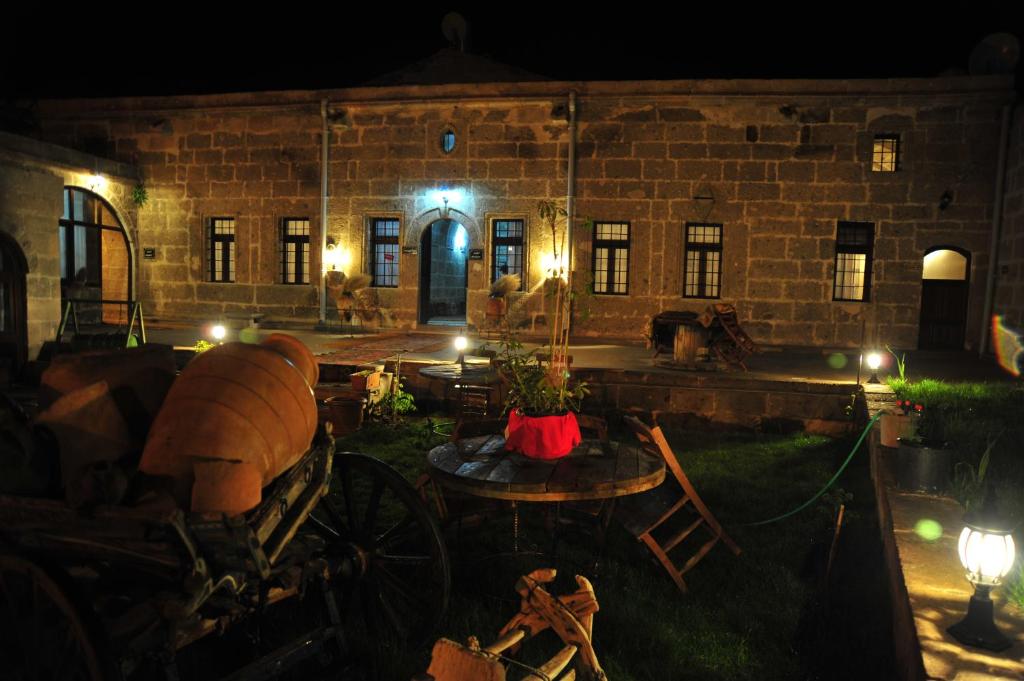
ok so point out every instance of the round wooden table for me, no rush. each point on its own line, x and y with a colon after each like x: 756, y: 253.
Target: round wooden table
x: 481, y: 467
x: 594, y: 470
x: 455, y: 372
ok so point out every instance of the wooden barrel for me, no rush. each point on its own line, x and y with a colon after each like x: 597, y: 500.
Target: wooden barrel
x: 688, y: 339
x: 242, y: 403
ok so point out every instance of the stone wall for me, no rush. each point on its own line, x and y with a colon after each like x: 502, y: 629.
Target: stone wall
x: 1009, y: 295
x: 783, y: 161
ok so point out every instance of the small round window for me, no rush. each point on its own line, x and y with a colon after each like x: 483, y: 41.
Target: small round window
x: 448, y: 141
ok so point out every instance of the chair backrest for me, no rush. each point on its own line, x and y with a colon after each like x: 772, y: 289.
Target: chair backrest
x: 594, y: 425
x: 477, y: 427
x: 653, y: 441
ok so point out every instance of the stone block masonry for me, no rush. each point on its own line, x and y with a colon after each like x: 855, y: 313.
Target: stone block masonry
x: 777, y: 163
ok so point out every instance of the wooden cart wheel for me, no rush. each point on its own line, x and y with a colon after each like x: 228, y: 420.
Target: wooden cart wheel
x: 395, y: 578
x: 41, y: 635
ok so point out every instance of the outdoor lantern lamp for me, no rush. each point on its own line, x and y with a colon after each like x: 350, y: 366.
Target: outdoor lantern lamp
x: 986, y: 552
x: 218, y: 332
x: 460, y: 345
x: 874, y: 361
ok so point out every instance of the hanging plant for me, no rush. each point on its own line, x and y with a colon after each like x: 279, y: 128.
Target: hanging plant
x: 139, y: 195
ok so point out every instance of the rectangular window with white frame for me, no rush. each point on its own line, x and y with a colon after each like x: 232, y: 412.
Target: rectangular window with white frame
x: 854, y: 247
x: 221, y: 243
x: 702, y: 261
x: 295, y: 251
x: 611, y: 258
x: 507, y: 248
x: 384, y: 251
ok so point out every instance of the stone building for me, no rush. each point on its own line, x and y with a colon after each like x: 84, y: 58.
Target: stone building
x: 67, y: 229
x: 824, y: 210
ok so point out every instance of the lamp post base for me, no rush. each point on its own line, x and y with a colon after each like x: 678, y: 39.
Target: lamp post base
x: 978, y: 628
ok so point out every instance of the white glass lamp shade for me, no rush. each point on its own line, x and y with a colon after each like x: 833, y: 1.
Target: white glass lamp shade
x: 461, y: 343
x: 986, y: 555
x: 874, y: 361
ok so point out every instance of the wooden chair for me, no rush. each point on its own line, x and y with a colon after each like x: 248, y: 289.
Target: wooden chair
x: 664, y: 517
x: 731, y: 344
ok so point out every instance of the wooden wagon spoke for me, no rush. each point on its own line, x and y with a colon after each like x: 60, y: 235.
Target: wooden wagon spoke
x: 323, y: 529
x: 397, y: 625
x: 70, y: 652
x: 346, y: 485
x: 373, y: 505
x: 396, y: 584
x: 394, y: 533
x: 403, y: 560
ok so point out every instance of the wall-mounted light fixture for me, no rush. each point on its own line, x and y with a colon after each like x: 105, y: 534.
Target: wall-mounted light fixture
x: 447, y: 199
x: 554, y: 266
x: 97, y: 183
x: 945, y: 199
x: 335, y: 257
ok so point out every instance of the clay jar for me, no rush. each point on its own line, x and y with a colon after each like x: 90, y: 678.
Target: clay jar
x: 247, y: 405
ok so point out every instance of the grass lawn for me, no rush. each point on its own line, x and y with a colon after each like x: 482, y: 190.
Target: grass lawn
x: 764, y: 615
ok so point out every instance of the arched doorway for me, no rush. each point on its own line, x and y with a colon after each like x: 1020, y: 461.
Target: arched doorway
x: 944, y: 285
x: 443, y: 273
x: 13, y: 327
x: 95, y: 261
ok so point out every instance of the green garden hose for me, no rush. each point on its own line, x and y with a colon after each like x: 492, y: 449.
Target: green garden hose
x: 828, y: 484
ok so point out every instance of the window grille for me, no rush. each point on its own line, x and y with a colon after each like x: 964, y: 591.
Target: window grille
x: 295, y: 251
x: 507, y: 249
x: 611, y: 258
x: 854, y: 245
x: 222, y: 249
x: 384, y: 251
x: 702, y: 269
x: 885, y: 155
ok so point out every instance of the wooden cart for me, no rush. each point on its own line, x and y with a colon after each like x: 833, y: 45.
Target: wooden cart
x: 340, y: 567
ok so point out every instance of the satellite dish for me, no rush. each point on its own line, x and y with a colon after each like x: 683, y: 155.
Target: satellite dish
x: 454, y: 27
x: 996, y: 54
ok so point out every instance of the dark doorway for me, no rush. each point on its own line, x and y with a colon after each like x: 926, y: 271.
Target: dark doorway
x: 443, y: 274
x: 944, y: 288
x: 13, y: 329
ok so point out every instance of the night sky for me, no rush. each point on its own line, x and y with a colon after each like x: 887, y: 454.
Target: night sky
x: 154, y: 49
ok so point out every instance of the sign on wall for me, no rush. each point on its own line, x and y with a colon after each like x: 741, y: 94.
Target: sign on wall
x: 476, y: 254
x: 149, y: 253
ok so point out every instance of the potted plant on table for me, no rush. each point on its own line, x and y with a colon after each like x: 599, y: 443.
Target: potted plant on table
x: 542, y: 397
x: 540, y: 404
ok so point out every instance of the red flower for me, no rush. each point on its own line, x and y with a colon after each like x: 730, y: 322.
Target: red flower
x: 918, y: 408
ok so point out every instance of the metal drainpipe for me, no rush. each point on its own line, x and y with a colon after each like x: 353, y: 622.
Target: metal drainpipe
x: 997, y: 223
x: 324, y: 144
x: 570, y: 194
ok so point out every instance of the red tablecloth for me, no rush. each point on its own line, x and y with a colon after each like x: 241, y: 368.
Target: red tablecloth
x: 542, y: 437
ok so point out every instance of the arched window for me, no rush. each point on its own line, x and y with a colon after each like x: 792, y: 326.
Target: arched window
x: 95, y: 262
x: 945, y: 263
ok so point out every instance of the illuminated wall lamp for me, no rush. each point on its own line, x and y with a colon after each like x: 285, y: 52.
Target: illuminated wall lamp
x: 987, y: 552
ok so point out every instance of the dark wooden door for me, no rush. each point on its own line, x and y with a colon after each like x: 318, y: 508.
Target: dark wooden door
x: 13, y: 329
x: 943, y: 314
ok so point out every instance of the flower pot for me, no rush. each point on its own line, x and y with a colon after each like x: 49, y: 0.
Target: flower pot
x: 542, y: 437
x: 894, y: 426
x: 923, y: 468
x: 495, y: 309
x: 344, y: 412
